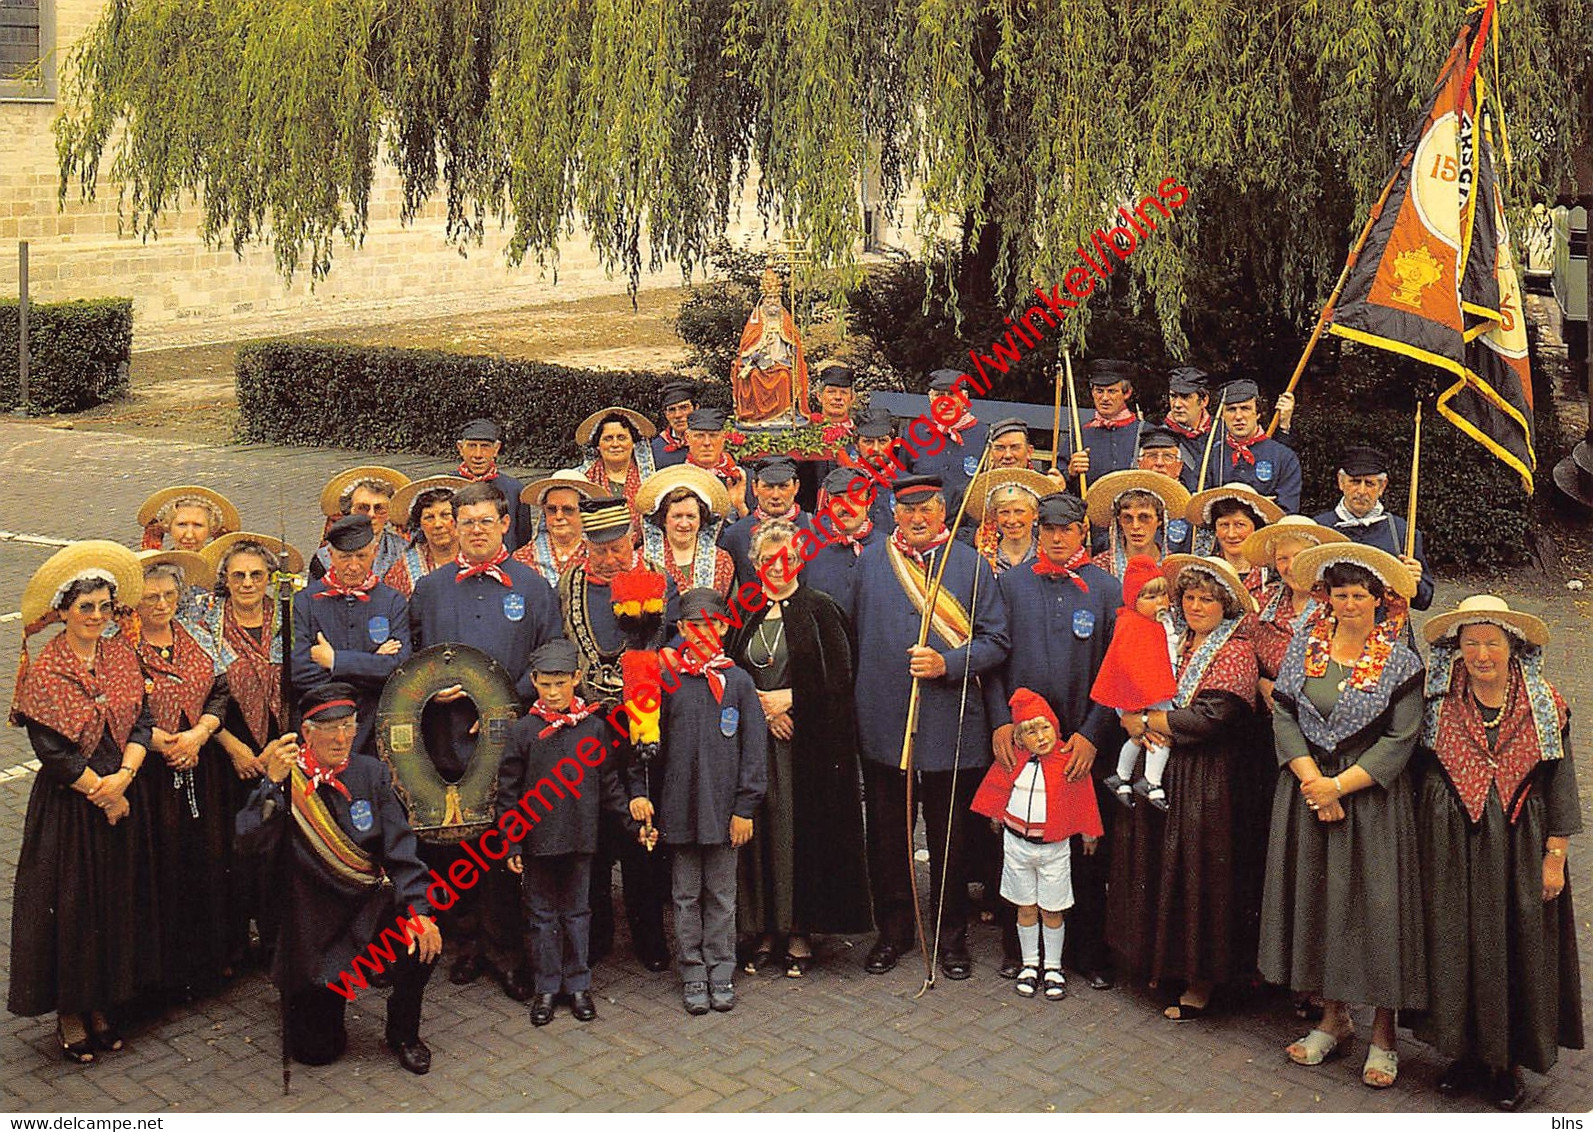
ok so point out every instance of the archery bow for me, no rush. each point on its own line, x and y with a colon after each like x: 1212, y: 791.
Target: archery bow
x: 284, y: 582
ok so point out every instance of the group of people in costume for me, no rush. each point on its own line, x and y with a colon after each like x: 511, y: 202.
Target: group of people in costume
x: 1185, y: 733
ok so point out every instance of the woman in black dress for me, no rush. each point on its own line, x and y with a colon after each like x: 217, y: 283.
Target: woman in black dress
x: 806, y: 868
x: 81, y: 944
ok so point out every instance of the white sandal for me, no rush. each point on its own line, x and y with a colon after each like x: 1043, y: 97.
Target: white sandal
x: 1383, y: 1061
x: 1318, y: 1046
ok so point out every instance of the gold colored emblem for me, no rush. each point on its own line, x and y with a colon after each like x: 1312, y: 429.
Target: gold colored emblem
x: 401, y: 737
x: 1415, y: 271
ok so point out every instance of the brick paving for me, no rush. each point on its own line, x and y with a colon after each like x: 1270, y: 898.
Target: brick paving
x: 839, y: 1040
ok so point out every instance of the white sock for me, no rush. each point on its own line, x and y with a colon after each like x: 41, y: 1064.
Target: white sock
x: 1053, y: 947
x: 1126, y: 758
x: 1029, y: 944
x: 1155, y: 762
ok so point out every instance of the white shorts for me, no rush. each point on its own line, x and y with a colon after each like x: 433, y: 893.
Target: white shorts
x: 1034, y: 873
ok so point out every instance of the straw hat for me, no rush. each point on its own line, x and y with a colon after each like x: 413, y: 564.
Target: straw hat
x: 569, y: 478
x: 1486, y: 609
x: 1198, y: 512
x: 1175, y: 564
x: 215, y: 551
x: 150, y: 508
x: 75, y: 559
x: 404, y: 497
x: 702, y: 483
x: 195, y: 569
x: 1313, y: 560
x: 1258, y: 547
x: 338, y: 484
x: 587, y: 428
x: 986, y: 483
x: 1105, y: 492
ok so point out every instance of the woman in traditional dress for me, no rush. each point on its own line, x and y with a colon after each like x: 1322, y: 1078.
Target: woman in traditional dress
x: 367, y: 490
x: 82, y: 938
x: 685, y: 509
x: 1341, y: 914
x: 427, y: 508
x: 1141, y: 513
x: 1496, y: 806
x: 191, y: 780
x: 622, y: 461
x: 1005, y: 503
x: 189, y: 515
x: 806, y: 868
x: 1176, y: 909
x: 558, y: 542
x: 1223, y: 518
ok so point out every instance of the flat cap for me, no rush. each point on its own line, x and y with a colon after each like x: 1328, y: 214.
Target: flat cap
x: 351, y: 533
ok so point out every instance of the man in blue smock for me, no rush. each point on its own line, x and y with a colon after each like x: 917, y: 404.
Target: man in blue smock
x: 677, y: 400
x: 774, y: 486
x: 480, y: 443
x: 845, y: 530
x: 1363, y: 478
x: 1244, y: 453
x: 948, y: 451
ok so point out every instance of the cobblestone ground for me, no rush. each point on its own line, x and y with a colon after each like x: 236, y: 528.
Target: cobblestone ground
x: 839, y: 1040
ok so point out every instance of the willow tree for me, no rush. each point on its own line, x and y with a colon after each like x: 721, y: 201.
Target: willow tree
x: 1020, y: 123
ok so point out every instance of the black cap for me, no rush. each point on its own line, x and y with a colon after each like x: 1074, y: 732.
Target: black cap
x: 480, y: 429
x: 1060, y: 509
x: 1155, y: 436
x: 1188, y: 379
x: 1109, y: 371
x: 604, y: 520
x: 313, y: 705
x: 1362, y: 461
x: 1242, y: 390
x: 1006, y: 425
x: 675, y: 392
x: 877, y: 422
x: 696, y: 602
x: 840, y: 480
x: 908, y: 488
x: 943, y: 380
x: 351, y: 533
x: 557, y: 656
x: 706, y: 420
x: 836, y: 374
x: 775, y: 470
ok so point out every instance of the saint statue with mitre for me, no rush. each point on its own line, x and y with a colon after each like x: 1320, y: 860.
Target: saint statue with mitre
x: 769, y: 378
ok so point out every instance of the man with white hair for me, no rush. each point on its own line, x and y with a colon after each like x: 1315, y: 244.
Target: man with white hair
x: 1363, y: 478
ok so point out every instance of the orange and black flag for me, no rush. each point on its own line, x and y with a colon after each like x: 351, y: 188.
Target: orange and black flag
x: 1435, y: 278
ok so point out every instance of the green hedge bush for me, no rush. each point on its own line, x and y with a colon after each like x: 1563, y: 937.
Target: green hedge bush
x: 78, y: 353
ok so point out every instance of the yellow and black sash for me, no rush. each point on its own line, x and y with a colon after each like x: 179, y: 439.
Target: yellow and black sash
x: 950, y: 620
x: 348, y: 867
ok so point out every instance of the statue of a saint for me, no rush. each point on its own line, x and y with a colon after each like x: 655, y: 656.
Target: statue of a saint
x: 769, y: 378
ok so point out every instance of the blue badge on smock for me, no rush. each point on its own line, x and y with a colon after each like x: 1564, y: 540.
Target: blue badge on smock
x: 970, y: 465
x: 729, y: 720
x: 379, y: 628
x: 360, y: 814
x: 1177, y: 530
x: 1264, y: 470
x: 513, y: 606
x: 1083, y: 624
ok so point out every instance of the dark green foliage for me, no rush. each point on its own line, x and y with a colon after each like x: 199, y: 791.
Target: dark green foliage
x: 78, y: 353
x: 414, y: 400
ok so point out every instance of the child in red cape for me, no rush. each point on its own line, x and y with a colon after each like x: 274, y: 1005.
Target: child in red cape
x: 1137, y: 676
x: 1040, y: 811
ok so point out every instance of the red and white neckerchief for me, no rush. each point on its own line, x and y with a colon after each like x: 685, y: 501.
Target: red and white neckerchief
x: 360, y: 592
x: 1124, y: 418
x: 672, y: 443
x: 855, y: 539
x: 899, y: 541
x: 1241, y: 448
x: 760, y: 516
x: 488, y: 569
x: 1189, y: 433
x: 961, y: 425
x: 725, y: 469
x: 491, y: 473
x: 318, y: 773
x: 708, y: 670
x: 1044, y: 567
x: 579, y: 710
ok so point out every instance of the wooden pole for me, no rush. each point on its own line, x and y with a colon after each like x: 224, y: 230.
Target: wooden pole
x: 1415, y: 474
x: 1073, y: 409
x: 1211, y: 433
x: 1056, y: 424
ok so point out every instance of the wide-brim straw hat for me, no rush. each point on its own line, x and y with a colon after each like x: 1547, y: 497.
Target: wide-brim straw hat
x: 1313, y: 560
x: 1258, y: 547
x: 1198, y: 510
x: 1486, y: 609
x: 702, y: 483
x: 194, y: 567
x: 215, y: 551
x: 150, y: 508
x: 78, y: 558
x: 585, y: 430
x: 1175, y: 564
x: 982, y: 486
x: 568, y: 478
x: 404, y: 497
x: 338, y: 484
x: 1106, y: 491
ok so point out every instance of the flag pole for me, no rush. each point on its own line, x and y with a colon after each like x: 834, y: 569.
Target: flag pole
x: 1415, y: 472
x: 1073, y: 408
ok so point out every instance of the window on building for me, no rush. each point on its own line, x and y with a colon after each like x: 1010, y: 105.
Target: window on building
x: 27, y: 47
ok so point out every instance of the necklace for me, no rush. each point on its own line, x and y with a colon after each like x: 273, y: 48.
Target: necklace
x: 1498, y: 712
x: 769, y: 647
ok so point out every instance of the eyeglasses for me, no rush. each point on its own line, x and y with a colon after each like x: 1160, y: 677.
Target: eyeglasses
x: 336, y: 727
x: 89, y: 608
x: 162, y: 598
x: 477, y: 524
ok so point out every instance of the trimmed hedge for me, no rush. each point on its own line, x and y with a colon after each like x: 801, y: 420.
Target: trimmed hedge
x: 78, y: 353
x: 415, y: 400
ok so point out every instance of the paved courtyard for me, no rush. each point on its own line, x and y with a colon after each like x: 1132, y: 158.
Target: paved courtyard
x: 838, y: 1040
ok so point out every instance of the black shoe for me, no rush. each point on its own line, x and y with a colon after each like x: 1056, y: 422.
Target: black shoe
x: 516, y: 985
x: 542, y: 1009
x: 957, y: 965
x: 1508, y: 1091
x: 1009, y: 967
x: 1099, y: 980
x: 414, y: 1056
x: 582, y: 1006
x: 1462, y: 1076
x: 883, y: 958
x: 466, y: 969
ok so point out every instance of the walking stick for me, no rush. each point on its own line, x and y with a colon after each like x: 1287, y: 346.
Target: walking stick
x: 1415, y: 474
x: 1216, y: 423
x: 1073, y: 408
